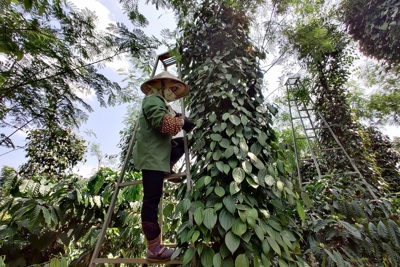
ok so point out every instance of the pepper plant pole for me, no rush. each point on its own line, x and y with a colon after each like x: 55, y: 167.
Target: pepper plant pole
x: 241, y: 193
x: 331, y: 65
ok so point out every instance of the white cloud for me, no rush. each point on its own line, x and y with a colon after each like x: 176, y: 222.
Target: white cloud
x: 86, y: 96
x: 118, y: 64
x: 391, y: 131
x: 22, y: 134
x: 102, y: 12
x: 105, y: 17
x: 85, y: 171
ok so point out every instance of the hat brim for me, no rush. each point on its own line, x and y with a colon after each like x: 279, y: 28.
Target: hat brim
x: 179, y: 88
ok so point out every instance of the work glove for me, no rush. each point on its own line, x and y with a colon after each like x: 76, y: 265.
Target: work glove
x: 188, y: 125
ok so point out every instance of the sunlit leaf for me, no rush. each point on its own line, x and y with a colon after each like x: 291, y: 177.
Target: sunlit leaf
x: 257, y: 163
x: 234, y: 119
x: 247, y: 167
x: 225, y: 116
x: 234, y: 188
x: 228, y: 152
x: 219, y: 191
x: 238, y: 175
x: 269, y: 180
x: 220, y: 166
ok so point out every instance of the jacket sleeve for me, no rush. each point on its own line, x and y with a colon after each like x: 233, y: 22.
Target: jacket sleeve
x: 156, y: 113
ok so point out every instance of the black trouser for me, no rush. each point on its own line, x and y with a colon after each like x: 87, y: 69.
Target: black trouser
x: 152, y: 191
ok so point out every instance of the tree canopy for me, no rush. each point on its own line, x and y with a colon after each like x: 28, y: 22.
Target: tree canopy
x: 49, y: 56
x: 375, y: 25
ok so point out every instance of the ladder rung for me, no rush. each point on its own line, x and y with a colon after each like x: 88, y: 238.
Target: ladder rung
x: 328, y: 149
x: 136, y: 182
x: 174, y: 245
x: 305, y: 137
x: 316, y: 158
x: 341, y: 173
x: 135, y: 260
x: 175, y: 175
x: 316, y: 128
x: 351, y: 173
x: 297, y: 118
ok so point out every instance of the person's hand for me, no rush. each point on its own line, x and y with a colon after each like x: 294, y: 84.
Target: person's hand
x: 177, y: 114
x: 188, y: 125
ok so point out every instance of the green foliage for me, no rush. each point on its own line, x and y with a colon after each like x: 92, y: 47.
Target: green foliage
x: 346, y: 228
x: 387, y: 158
x: 343, y: 225
x: 382, y: 106
x: 43, y: 219
x: 386, y: 107
x: 52, y: 152
x: 49, y: 57
x: 242, y: 199
x: 375, y: 25
x: 315, y: 41
x: 40, y: 219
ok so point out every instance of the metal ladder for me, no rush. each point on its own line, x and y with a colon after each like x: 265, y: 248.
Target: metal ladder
x: 301, y: 108
x: 167, y: 60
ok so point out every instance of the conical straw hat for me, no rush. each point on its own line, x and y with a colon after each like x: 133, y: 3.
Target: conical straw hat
x: 169, y: 81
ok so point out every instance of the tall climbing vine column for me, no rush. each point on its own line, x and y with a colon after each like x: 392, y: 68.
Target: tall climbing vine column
x: 329, y: 59
x: 242, y: 200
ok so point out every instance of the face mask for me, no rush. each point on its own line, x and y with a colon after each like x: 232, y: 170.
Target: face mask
x: 169, y: 95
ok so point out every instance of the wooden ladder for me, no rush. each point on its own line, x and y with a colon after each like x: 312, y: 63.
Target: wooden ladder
x: 167, y: 60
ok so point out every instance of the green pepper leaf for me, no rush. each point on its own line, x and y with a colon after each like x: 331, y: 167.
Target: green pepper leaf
x: 238, y: 175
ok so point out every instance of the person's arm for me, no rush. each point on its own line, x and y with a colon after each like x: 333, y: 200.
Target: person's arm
x: 188, y: 125
x: 156, y: 113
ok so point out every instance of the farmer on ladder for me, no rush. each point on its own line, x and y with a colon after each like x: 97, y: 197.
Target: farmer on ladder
x: 155, y: 152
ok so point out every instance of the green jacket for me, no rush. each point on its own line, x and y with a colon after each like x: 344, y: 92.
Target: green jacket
x: 152, y: 149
